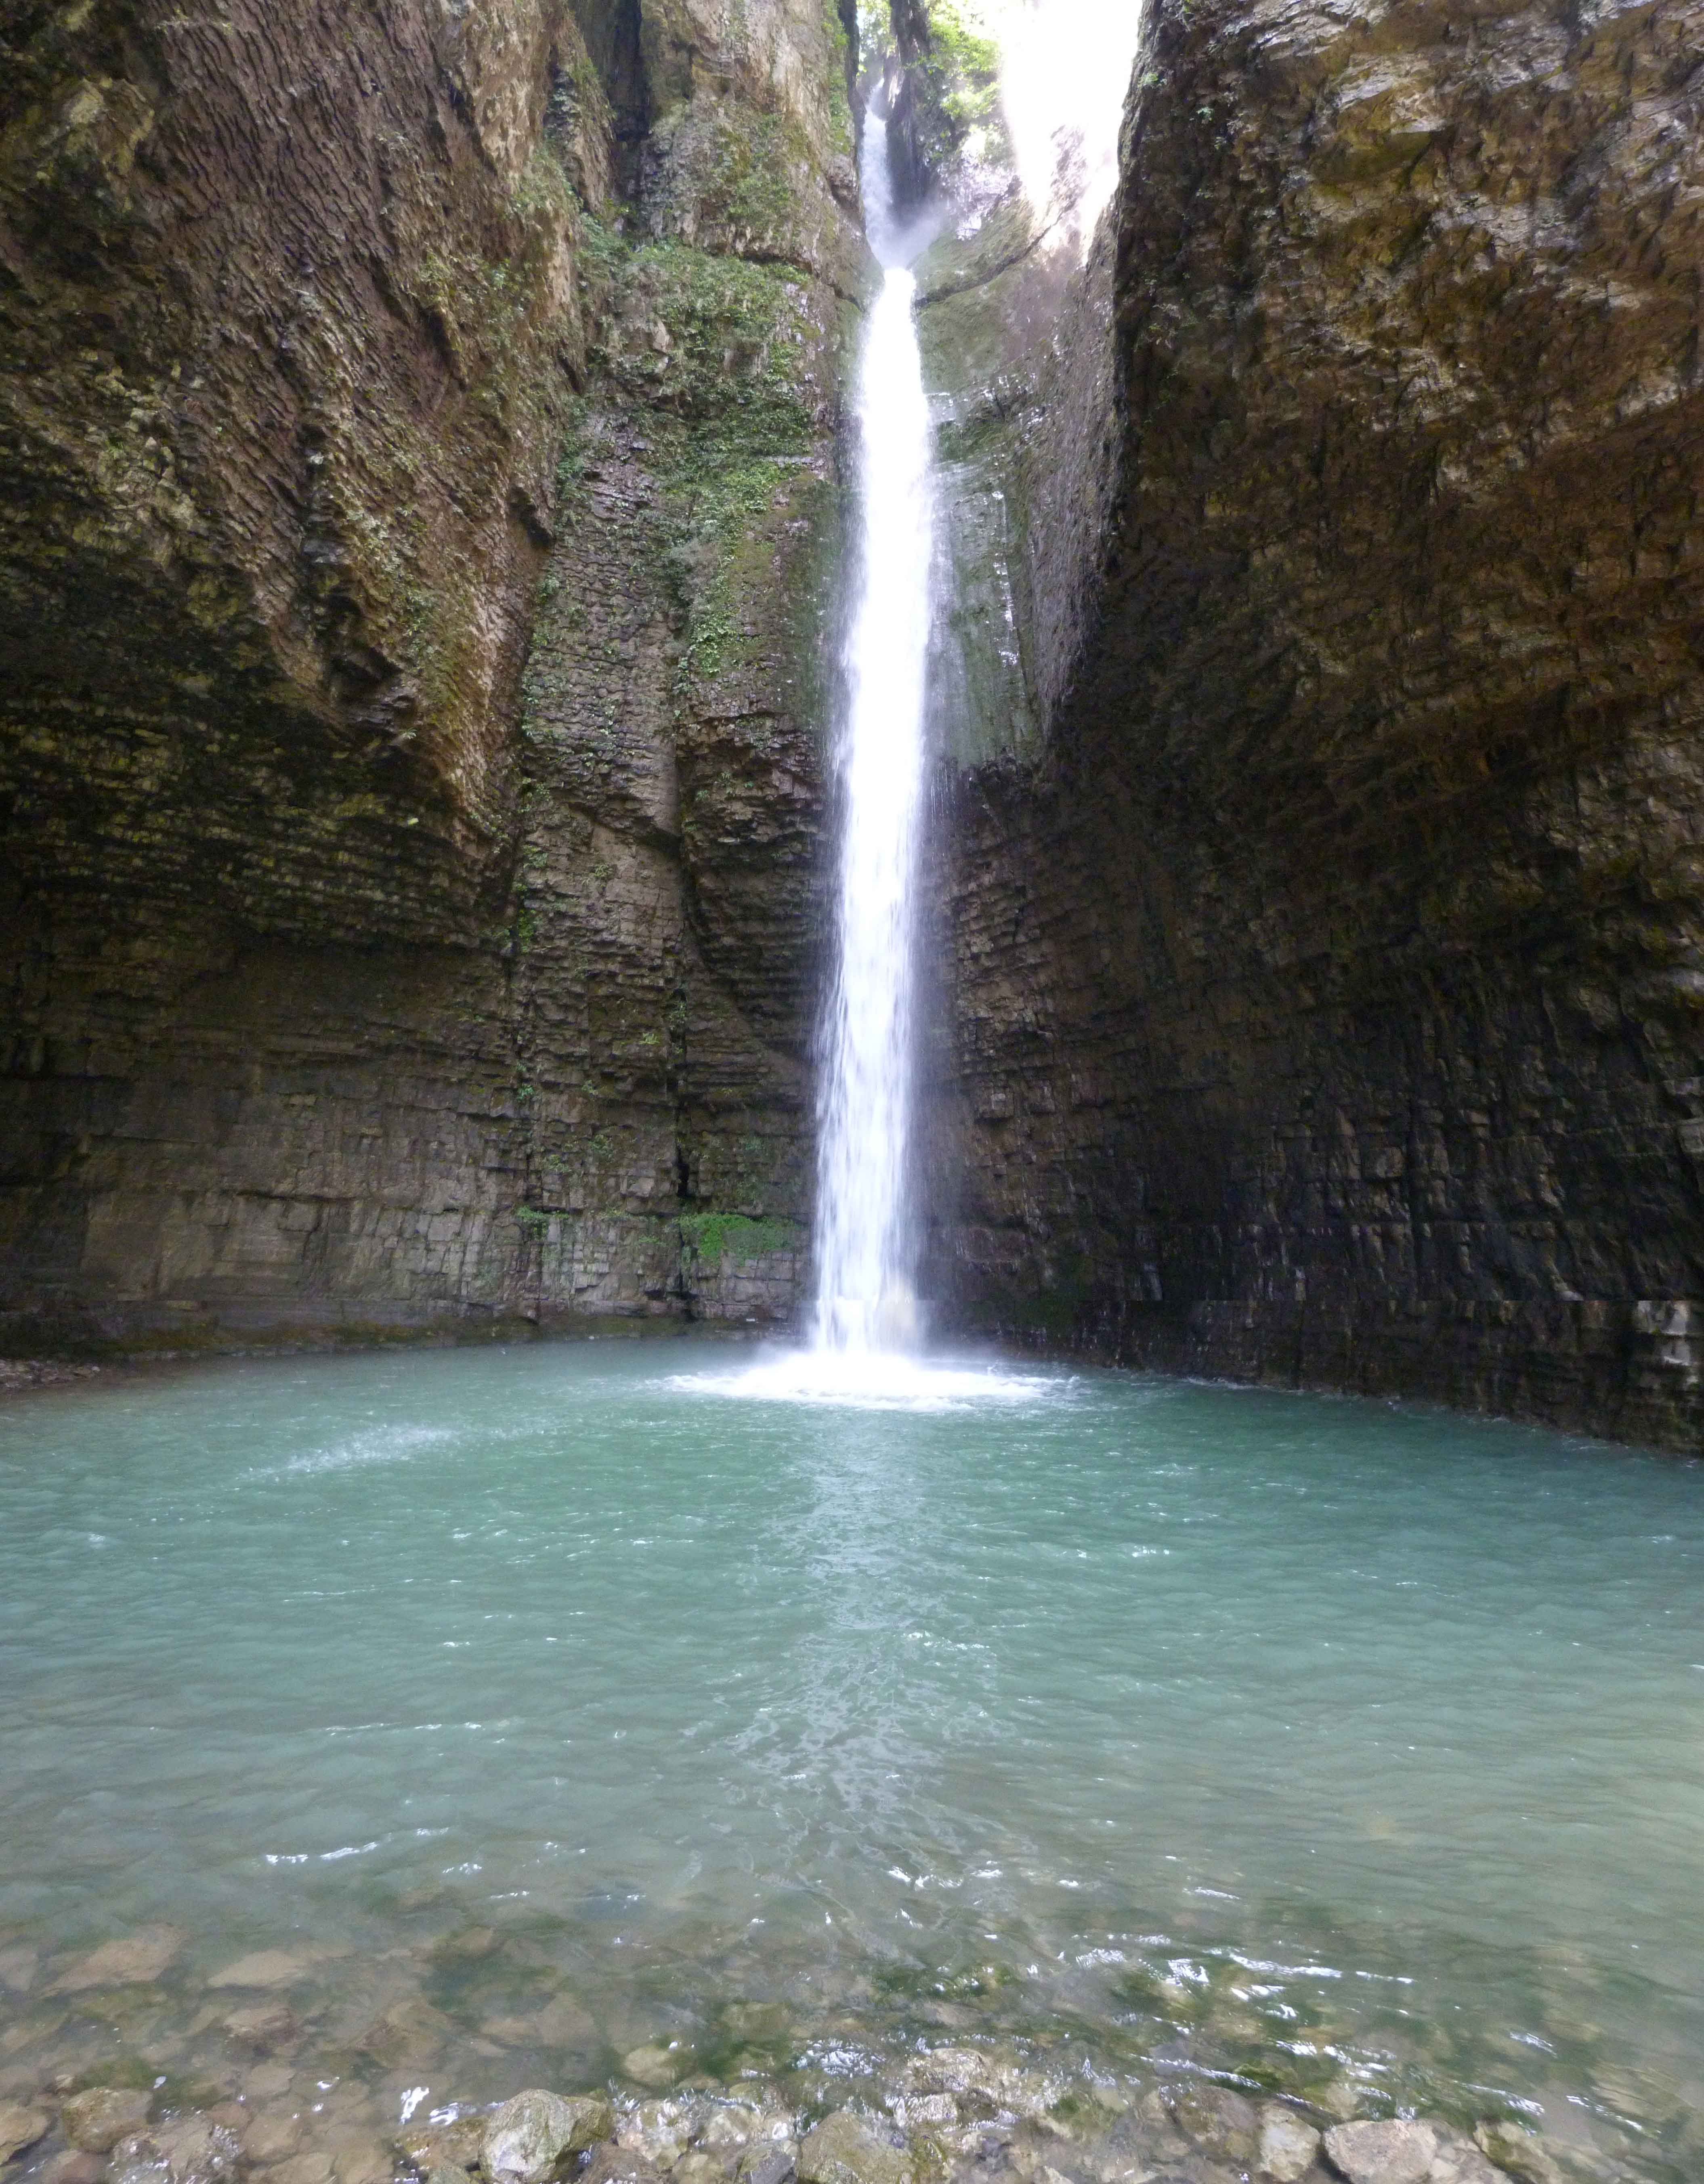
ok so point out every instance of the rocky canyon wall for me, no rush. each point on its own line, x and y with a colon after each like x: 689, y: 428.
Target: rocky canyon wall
x: 418, y: 496
x: 1327, y: 989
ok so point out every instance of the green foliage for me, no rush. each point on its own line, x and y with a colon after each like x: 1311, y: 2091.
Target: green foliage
x: 962, y: 66
x: 714, y: 1237
x: 534, y: 1221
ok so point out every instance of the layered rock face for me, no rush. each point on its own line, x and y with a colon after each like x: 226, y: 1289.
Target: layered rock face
x: 357, y: 970
x: 1327, y: 996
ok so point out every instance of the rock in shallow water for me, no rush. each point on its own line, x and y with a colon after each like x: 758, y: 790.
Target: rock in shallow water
x: 843, y: 2150
x: 191, y: 2150
x: 1516, y: 2151
x: 18, y: 2127
x: 1288, y: 2146
x: 651, y: 2065
x: 533, y: 2136
x: 95, y: 2120
x: 1395, y: 2153
x: 138, y: 1960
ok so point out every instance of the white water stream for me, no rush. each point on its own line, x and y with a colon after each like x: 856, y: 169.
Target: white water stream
x: 866, y: 1242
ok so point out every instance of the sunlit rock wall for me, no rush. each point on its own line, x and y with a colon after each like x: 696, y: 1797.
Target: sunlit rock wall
x: 358, y: 972
x: 1327, y: 999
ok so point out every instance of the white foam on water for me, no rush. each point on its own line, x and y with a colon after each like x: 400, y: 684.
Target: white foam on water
x: 379, y: 1444
x: 876, y: 1381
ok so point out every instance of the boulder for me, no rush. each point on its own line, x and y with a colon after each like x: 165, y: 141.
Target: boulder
x: 95, y: 2120
x: 1398, y: 2151
x: 1288, y: 2146
x: 537, y: 2134
x: 842, y: 2149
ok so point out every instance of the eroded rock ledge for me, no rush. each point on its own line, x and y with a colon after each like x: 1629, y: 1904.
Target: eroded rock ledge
x: 1327, y: 997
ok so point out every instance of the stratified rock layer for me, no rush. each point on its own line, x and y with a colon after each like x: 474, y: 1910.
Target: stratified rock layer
x: 360, y: 975
x: 1328, y: 999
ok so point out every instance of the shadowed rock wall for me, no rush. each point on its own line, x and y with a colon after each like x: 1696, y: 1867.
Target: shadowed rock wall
x: 1328, y: 997
x: 354, y: 975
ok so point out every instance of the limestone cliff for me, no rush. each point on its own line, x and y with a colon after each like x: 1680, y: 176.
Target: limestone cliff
x: 1328, y: 994
x: 356, y: 969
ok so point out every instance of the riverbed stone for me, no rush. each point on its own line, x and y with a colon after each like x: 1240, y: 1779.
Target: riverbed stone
x: 266, y: 2026
x: 1458, y: 2161
x: 134, y: 1960
x: 767, y: 2164
x: 267, y: 1968
x: 1288, y: 2146
x: 537, y: 2134
x: 72, y: 2167
x: 19, y: 2127
x: 1397, y: 2152
x: 1220, y: 2121
x: 275, y: 2135
x: 1516, y: 2151
x: 429, y: 2146
x: 653, y: 2065
x: 190, y: 2149
x: 844, y: 2149
x: 95, y: 2120
x: 660, y: 2131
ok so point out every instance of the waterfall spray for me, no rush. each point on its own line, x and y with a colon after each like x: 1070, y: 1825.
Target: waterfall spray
x: 865, y: 1239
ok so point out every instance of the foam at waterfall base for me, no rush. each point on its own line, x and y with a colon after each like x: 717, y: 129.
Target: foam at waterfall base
x: 878, y: 1380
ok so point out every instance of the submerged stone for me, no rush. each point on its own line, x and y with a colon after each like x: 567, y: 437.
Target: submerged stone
x: 651, y: 2065
x: 95, y: 2120
x: 268, y: 2026
x: 136, y: 1960
x: 535, y: 2135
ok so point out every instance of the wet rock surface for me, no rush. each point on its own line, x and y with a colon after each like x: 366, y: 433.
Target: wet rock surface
x: 1323, y: 997
x: 374, y: 977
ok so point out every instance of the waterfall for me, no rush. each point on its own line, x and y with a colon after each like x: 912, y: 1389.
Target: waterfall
x: 866, y: 1236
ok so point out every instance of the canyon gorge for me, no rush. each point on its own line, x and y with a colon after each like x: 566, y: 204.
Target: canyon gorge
x: 424, y: 476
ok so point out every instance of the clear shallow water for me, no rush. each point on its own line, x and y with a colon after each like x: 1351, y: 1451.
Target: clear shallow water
x: 1310, y: 1739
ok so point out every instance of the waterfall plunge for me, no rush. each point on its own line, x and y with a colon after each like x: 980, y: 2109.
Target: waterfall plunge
x: 866, y: 1246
